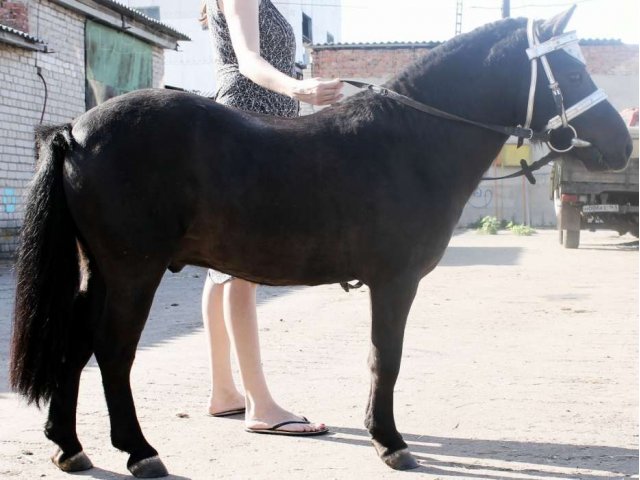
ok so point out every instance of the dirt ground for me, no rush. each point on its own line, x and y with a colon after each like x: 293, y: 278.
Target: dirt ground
x: 520, y: 362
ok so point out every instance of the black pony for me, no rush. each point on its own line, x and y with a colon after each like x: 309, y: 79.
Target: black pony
x: 370, y: 189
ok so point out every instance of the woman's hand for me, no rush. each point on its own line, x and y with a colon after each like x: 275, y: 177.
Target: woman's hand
x: 318, y: 91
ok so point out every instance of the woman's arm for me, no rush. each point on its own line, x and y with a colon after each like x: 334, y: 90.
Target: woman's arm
x: 242, y: 20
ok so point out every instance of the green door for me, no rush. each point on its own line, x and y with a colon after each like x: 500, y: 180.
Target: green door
x: 116, y: 63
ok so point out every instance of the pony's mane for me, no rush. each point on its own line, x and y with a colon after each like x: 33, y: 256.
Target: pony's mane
x: 496, y: 38
x: 493, y: 41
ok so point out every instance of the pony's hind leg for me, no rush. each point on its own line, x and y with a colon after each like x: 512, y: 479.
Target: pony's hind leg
x: 128, y: 300
x: 390, y: 303
x: 61, y: 423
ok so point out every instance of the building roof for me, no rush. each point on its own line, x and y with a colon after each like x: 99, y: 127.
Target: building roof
x: 142, y: 18
x: 124, y: 18
x: 431, y: 44
x: 600, y: 41
x: 372, y: 45
x: 19, y: 38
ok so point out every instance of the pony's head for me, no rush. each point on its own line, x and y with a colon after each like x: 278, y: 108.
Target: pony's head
x: 600, y: 125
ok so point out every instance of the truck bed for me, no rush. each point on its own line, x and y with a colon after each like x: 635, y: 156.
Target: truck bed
x: 576, y: 179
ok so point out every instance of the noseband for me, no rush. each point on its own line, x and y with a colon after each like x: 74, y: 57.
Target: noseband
x: 537, y: 51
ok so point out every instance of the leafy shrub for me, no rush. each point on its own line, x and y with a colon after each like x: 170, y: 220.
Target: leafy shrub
x: 489, y: 225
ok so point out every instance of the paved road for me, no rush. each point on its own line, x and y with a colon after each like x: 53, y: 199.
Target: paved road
x: 520, y: 362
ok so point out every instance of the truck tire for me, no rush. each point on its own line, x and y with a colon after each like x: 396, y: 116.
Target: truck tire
x: 571, y: 238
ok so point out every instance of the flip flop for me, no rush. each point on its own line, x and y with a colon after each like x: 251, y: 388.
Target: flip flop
x: 229, y: 413
x: 274, y: 430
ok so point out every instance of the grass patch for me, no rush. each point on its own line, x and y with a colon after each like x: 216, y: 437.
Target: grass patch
x: 491, y: 225
x: 524, y: 230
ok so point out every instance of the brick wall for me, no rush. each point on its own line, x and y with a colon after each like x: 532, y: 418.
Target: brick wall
x: 17, y: 116
x: 22, y: 98
x: 14, y: 15
x: 385, y: 62
x: 363, y: 62
x: 611, y: 59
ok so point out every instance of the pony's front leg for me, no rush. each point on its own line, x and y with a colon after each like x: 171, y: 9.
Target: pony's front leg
x: 390, y: 303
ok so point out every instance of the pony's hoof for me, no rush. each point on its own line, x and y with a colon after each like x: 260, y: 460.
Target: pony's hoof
x: 151, y: 467
x: 400, y: 460
x: 75, y: 463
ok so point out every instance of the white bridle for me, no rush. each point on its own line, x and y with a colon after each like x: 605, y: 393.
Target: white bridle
x: 537, y: 51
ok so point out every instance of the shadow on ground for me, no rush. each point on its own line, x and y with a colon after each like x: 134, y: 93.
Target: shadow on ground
x: 498, y: 459
x: 176, y: 309
x: 623, y: 247
x: 468, y: 256
x: 101, y: 474
x: 175, y: 312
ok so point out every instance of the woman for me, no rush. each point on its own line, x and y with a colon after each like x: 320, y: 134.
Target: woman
x: 254, y: 49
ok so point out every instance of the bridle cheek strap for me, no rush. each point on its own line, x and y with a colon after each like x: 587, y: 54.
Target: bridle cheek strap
x: 533, y: 82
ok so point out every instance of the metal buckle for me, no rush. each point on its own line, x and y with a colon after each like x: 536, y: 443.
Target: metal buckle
x: 571, y: 143
x: 528, y: 132
x: 379, y: 90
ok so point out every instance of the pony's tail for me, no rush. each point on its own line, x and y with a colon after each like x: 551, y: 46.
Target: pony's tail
x: 47, y: 274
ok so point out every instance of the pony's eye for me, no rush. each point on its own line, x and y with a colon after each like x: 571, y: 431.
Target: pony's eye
x: 575, y: 77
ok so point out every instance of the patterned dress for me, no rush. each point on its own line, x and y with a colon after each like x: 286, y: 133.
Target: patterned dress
x: 277, y: 46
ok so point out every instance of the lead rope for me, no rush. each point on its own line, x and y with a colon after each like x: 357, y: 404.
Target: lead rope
x: 526, y: 170
x: 346, y: 286
x: 519, y: 131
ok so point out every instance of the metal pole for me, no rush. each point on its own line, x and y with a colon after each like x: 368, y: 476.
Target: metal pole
x: 506, y: 9
x: 459, y: 17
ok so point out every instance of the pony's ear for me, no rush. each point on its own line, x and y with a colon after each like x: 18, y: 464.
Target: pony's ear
x: 556, y: 25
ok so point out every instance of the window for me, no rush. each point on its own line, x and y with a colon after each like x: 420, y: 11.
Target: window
x: 153, y: 12
x: 330, y: 38
x: 307, y: 31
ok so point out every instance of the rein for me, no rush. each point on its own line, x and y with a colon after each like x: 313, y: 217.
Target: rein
x: 537, y: 51
x: 520, y: 132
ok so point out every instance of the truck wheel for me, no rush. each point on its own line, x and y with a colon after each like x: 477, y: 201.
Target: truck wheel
x: 560, y: 235
x: 571, y: 238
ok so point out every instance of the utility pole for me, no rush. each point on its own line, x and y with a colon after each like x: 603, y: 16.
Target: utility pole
x: 506, y: 9
x: 459, y: 17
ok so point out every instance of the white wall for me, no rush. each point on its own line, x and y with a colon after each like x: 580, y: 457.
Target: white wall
x: 191, y: 68
x: 326, y: 18
x: 622, y: 90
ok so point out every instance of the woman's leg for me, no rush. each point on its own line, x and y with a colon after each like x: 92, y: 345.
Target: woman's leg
x: 242, y: 325
x: 224, y: 394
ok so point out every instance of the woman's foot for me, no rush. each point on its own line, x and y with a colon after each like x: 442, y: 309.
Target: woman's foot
x: 222, y: 403
x: 264, y: 419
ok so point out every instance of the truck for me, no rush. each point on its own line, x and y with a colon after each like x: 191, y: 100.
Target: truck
x: 586, y: 200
